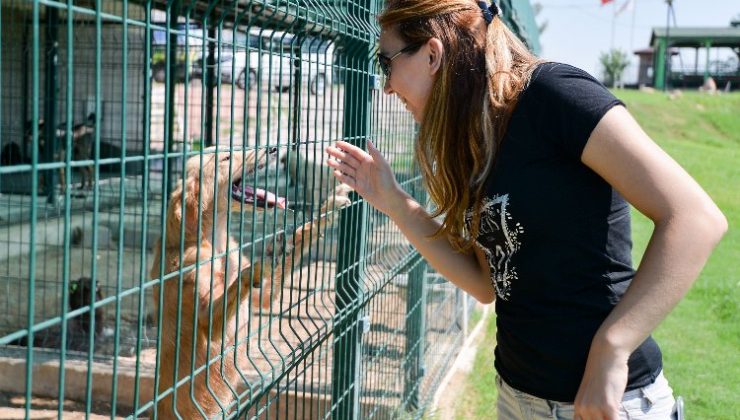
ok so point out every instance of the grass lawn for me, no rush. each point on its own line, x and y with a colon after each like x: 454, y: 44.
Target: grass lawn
x: 700, y: 339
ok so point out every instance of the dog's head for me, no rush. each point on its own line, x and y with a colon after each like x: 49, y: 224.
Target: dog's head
x: 225, y: 174
x: 79, y: 297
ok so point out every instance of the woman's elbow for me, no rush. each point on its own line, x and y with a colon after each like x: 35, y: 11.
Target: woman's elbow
x: 486, y: 297
x: 712, y: 223
x: 719, y: 224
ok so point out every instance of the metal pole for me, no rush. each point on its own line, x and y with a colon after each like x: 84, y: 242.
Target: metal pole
x: 415, y: 332
x: 614, y: 25
x: 667, y: 62
x: 210, y: 82
x: 50, y: 101
x: 171, y: 78
x: 708, y: 46
x: 347, y: 329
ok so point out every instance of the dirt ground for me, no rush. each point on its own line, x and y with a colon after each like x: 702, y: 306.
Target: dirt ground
x: 12, y: 407
x: 305, y: 315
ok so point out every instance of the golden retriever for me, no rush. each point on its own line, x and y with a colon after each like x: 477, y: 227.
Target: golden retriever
x: 212, y: 273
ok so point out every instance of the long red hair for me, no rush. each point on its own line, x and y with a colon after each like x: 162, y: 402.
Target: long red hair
x: 485, y: 67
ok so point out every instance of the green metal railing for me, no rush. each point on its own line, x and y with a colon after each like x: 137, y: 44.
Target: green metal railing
x: 101, y: 106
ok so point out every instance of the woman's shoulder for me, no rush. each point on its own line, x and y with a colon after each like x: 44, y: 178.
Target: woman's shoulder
x: 553, y: 71
x: 552, y: 80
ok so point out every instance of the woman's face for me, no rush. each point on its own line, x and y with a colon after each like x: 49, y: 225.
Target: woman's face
x: 411, y: 73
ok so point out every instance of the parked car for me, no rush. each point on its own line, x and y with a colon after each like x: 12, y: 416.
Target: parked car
x: 232, y: 67
x: 237, y: 64
x: 273, y: 56
x: 159, y: 51
x: 314, y: 55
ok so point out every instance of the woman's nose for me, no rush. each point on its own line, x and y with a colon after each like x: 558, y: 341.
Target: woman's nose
x: 387, y: 86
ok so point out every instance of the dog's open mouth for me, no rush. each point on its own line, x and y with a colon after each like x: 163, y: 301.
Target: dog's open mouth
x: 256, y: 196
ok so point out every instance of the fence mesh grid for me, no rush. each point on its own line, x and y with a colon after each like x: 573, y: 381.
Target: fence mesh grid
x: 170, y: 234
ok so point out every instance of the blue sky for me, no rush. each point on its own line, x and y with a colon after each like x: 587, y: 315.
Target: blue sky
x: 579, y: 30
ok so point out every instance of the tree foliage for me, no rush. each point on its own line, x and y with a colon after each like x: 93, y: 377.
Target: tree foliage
x: 614, y: 62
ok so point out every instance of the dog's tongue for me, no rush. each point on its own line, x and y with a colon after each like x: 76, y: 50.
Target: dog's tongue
x: 257, y: 196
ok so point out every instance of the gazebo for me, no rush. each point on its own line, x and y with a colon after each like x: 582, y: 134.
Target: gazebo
x: 696, y: 38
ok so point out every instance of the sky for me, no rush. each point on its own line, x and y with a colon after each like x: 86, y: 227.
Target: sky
x: 579, y: 30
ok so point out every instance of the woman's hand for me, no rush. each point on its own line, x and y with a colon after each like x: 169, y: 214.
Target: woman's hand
x: 369, y: 174
x: 603, y: 384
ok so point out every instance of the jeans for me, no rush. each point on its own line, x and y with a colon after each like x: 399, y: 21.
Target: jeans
x: 652, y: 402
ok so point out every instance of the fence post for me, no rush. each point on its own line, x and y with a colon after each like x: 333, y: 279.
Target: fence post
x: 51, y: 42
x: 210, y: 83
x: 351, y: 247
x: 416, y: 298
x: 416, y: 303
x: 659, y: 59
x: 170, y: 105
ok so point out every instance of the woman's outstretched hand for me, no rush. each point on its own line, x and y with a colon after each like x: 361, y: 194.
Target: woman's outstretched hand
x: 368, y: 173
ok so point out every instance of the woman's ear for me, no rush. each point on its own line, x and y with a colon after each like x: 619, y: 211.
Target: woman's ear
x: 436, y: 52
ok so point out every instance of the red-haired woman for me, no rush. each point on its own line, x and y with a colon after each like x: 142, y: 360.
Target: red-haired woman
x: 533, y: 165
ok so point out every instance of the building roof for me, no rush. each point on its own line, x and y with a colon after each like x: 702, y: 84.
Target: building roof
x: 649, y: 51
x: 698, y: 36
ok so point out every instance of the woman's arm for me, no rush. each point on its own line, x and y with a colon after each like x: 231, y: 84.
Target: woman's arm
x: 688, y: 225
x: 370, y: 175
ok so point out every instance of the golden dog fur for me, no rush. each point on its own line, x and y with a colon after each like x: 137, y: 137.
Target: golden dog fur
x: 219, y: 276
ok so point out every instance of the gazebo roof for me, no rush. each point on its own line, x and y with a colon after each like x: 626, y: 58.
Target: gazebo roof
x: 698, y: 36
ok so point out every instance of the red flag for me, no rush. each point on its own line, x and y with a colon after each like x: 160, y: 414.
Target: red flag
x: 603, y: 2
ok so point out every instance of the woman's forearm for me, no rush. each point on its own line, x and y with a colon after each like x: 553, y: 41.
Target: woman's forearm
x: 469, y: 271
x: 676, y: 253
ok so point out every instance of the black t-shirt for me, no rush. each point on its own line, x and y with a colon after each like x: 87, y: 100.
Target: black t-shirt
x: 558, y: 240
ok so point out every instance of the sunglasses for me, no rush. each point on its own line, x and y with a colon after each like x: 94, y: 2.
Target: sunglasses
x: 384, y: 62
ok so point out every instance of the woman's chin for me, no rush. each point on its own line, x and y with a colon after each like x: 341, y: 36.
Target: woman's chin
x: 417, y: 117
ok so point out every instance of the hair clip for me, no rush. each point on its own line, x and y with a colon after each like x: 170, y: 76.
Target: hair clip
x: 489, y: 12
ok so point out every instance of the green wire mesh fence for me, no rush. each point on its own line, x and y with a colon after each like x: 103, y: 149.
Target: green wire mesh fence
x: 172, y: 243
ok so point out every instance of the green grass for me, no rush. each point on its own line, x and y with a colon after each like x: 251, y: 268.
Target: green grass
x: 478, y: 397
x: 700, y: 339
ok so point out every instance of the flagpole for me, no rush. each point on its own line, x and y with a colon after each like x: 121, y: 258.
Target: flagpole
x: 614, y: 22
x: 632, y: 28
x: 667, y: 64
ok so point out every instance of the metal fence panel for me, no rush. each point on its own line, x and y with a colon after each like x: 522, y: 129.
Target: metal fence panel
x: 136, y: 138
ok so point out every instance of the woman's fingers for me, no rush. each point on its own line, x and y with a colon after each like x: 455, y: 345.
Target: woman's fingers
x: 374, y: 152
x: 345, y: 179
x: 343, y: 167
x: 342, y: 154
x: 350, y: 148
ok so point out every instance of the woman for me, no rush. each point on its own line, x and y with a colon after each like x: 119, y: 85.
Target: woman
x: 533, y: 165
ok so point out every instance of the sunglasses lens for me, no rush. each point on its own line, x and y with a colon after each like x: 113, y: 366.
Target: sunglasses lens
x: 384, y: 65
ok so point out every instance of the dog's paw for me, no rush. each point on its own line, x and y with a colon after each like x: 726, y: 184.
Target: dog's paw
x: 342, y: 190
x: 341, y: 196
x: 338, y: 200
x: 341, y: 202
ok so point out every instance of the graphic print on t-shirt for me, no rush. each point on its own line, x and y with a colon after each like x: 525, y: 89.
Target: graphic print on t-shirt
x: 498, y: 236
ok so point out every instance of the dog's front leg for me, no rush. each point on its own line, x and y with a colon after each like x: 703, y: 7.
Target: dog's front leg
x: 309, y: 233
x: 235, y: 294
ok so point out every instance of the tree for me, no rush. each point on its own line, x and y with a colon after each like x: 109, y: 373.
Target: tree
x: 614, y: 63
